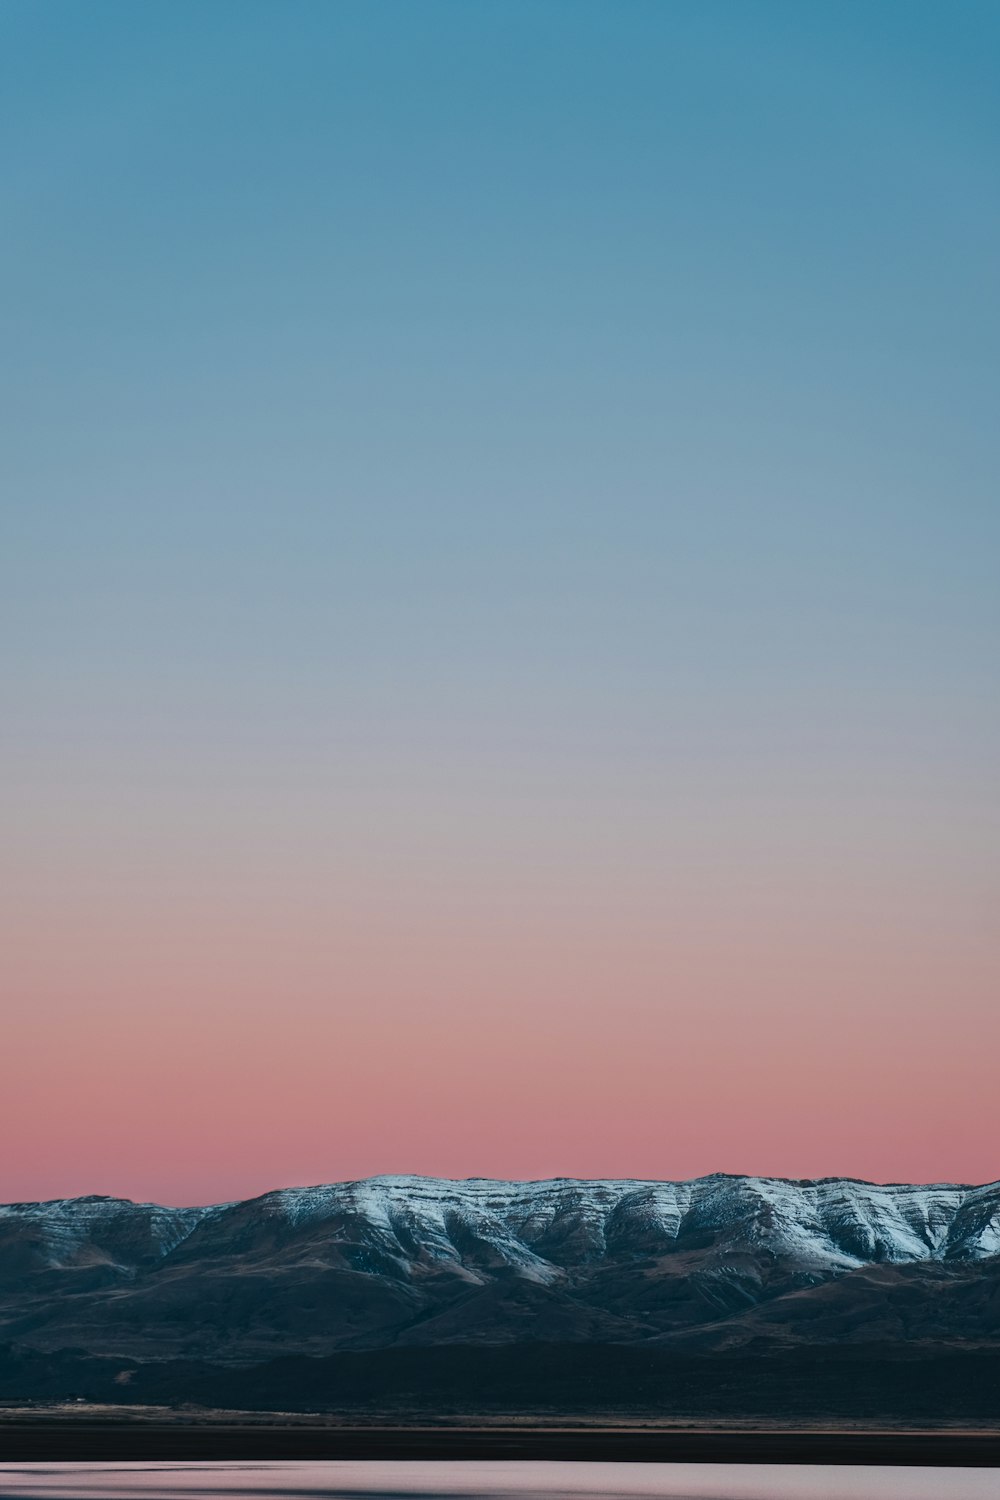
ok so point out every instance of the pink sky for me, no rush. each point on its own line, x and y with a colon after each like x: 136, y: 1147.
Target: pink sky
x: 796, y: 992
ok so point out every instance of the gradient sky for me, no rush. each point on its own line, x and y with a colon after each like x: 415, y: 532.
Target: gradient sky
x: 499, y: 591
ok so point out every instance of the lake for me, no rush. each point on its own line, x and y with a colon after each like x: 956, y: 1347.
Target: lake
x: 491, y: 1480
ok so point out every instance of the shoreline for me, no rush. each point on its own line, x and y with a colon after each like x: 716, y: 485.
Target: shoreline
x: 202, y: 1437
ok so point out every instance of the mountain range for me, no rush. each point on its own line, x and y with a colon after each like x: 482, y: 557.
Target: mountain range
x: 740, y: 1268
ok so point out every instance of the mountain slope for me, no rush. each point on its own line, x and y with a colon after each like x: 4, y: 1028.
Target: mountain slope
x: 404, y: 1261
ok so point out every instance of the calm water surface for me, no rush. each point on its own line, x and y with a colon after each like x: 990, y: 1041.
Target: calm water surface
x: 484, y: 1480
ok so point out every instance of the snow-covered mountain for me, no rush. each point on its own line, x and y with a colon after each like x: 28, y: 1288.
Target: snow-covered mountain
x: 534, y: 1229
x: 393, y: 1261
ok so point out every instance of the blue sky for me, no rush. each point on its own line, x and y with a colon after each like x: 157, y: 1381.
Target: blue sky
x: 505, y: 295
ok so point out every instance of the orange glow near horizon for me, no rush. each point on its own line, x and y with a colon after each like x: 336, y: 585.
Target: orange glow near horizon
x: 187, y: 1042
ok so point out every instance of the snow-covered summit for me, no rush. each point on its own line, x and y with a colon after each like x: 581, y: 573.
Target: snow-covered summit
x: 537, y: 1228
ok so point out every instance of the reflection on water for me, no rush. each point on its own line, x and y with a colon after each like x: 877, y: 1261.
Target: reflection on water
x: 490, y: 1480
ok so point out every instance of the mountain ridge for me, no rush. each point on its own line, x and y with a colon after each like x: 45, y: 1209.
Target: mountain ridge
x: 401, y: 1261
x: 519, y: 1182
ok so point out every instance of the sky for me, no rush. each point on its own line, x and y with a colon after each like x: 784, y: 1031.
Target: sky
x: 498, y: 591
